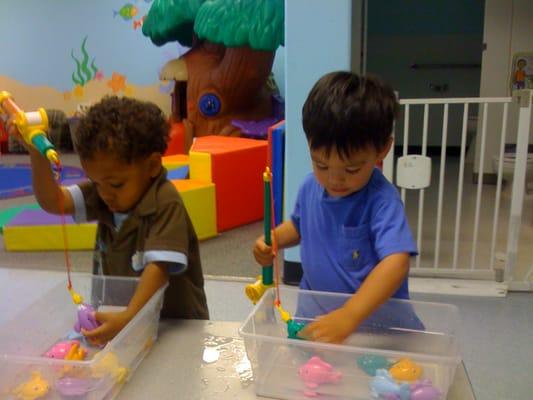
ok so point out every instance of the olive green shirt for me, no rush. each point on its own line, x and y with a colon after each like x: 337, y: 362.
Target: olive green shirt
x: 157, y: 225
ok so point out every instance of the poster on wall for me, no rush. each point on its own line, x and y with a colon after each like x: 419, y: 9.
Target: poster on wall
x: 522, y: 71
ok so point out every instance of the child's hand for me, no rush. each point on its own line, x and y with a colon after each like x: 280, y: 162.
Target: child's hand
x: 334, y: 327
x: 262, y: 252
x: 112, y: 324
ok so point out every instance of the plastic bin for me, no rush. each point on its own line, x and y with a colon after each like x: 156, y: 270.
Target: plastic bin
x: 25, y: 338
x: 426, y: 333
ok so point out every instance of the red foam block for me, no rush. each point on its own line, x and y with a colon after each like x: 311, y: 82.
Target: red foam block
x: 237, y: 166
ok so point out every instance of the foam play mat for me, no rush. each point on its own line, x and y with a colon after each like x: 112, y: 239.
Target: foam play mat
x: 15, y: 179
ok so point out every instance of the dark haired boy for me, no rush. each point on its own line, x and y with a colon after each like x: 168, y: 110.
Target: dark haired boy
x: 143, y: 227
x: 348, y: 219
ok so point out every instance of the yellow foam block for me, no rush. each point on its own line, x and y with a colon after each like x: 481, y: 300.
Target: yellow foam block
x: 199, y: 200
x: 200, y: 166
x: 175, y: 161
x: 49, y: 237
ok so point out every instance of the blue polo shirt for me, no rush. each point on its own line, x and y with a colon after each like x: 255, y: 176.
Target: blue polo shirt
x: 344, y: 238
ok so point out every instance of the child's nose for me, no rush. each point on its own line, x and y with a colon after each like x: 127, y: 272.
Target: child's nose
x: 336, y: 176
x: 105, y: 194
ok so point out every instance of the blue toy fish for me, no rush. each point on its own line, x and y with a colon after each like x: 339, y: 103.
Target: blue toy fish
x: 382, y: 386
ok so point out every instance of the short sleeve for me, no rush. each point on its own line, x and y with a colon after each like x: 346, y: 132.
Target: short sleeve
x: 86, y: 201
x: 168, y: 238
x: 390, y: 230
x: 169, y: 229
x: 296, y: 213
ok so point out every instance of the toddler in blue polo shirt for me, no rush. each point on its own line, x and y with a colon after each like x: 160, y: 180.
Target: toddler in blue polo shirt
x: 348, y: 219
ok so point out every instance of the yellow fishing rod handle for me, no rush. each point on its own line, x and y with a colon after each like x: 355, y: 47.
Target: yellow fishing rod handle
x: 255, y: 290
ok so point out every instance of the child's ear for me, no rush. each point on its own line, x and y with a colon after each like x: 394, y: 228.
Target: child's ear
x: 383, y: 153
x: 154, y: 164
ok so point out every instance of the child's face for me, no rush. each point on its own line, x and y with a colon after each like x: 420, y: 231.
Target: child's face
x: 344, y: 176
x: 121, y: 185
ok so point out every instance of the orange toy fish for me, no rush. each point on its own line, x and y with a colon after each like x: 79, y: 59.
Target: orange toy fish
x: 406, y: 370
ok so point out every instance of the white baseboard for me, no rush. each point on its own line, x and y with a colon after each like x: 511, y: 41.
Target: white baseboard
x: 462, y: 287
x: 229, y: 278
x: 521, y: 286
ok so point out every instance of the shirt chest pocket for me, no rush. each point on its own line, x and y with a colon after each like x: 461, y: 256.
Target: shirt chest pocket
x: 356, y: 250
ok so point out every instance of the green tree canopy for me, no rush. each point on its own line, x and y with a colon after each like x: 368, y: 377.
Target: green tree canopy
x: 233, y: 23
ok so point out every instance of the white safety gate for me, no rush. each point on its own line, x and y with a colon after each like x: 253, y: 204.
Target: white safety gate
x: 466, y: 229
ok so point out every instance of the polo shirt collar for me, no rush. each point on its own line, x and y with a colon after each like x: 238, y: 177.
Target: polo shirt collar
x: 148, y: 203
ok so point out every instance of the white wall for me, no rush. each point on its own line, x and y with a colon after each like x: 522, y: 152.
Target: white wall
x: 317, y: 41
x: 508, y: 29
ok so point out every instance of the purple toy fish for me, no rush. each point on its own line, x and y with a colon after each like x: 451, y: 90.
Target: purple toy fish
x: 316, y: 372
x: 75, y: 388
x: 86, y: 318
x: 424, y: 390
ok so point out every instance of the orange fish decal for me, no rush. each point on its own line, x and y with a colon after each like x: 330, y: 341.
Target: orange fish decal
x: 138, y: 23
x: 117, y: 82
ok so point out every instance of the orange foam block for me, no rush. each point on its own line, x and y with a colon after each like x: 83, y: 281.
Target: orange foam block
x: 175, y: 161
x: 199, y: 200
x: 235, y: 165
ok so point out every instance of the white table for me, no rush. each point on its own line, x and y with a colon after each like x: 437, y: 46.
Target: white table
x: 176, y: 369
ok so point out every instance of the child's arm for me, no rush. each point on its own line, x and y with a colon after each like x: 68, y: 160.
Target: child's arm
x: 153, y: 277
x: 377, y: 288
x: 285, y: 234
x: 45, y: 186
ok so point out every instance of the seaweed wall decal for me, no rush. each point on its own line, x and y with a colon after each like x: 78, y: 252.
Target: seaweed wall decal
x: 84, y: 73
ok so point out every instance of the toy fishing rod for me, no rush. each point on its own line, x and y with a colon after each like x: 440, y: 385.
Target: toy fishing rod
x: 31, y: 125
x: 256, y: 290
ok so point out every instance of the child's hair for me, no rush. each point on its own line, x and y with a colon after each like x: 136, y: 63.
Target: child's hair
x: 349, y: 113
x: 130, y: 128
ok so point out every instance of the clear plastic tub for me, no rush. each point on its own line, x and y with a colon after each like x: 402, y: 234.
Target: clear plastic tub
x: 426, y: 333
x: 25, y: 373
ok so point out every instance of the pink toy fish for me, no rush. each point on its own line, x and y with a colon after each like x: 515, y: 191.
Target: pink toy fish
x: 61, y: 349
x: 316, y: 372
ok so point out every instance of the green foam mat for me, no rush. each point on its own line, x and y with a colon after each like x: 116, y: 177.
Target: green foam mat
x: 9, y: 213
